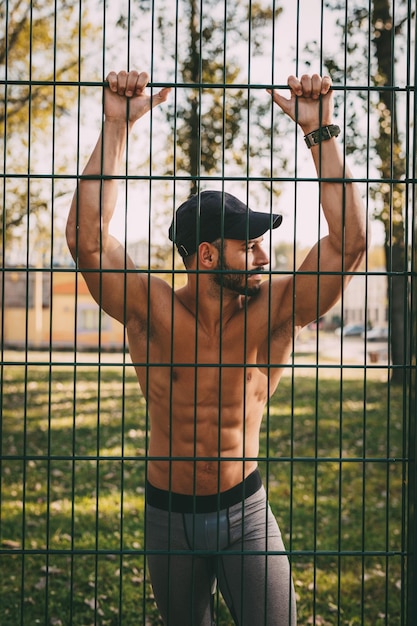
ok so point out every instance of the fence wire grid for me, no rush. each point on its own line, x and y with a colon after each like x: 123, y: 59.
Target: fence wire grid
x: 126, y: 504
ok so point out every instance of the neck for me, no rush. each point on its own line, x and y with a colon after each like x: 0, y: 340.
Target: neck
x: 213, y: 306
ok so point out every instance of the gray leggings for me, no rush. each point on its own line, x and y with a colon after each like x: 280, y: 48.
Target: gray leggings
x: 237, y: 547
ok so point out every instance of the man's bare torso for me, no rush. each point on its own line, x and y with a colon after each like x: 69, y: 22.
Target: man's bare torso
x: 206, y: 391
x: 207, y: 384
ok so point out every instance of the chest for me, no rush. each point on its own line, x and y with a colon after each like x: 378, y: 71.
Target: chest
x: 224, y: 365
x: 235, y: 359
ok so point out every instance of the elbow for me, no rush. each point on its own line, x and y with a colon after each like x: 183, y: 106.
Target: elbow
x: 363, y: 238
x: 356, y: 251
x: 357, y: 232
x: 82, y: 239
x: 71, y: 230
x: 71, y: 236
x: 362, y: 243
x: 82, y: 248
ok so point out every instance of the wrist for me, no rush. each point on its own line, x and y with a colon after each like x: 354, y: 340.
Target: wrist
x: 309, y: 128
x: 118, y: 123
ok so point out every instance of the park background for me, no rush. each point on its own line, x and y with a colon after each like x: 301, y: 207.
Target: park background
x: 338, y: 445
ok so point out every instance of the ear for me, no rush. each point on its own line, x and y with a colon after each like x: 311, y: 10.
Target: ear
x: 206, y: 255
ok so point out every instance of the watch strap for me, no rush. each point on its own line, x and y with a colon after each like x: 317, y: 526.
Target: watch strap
x: 324, y: 133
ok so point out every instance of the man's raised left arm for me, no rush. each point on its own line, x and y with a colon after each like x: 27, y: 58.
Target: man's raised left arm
x: 330, y: 263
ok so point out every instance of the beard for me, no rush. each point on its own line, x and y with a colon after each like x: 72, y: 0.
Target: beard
x: 237, y: 282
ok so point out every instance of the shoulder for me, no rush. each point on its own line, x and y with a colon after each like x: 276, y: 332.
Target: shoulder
x: 274, y: 298
x: 159, y: 306
x: 151, y: 301
x: 273, y: 321
x: 272, y: 311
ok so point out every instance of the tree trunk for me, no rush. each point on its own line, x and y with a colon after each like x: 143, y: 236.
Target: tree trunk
x: 193, y: 70
x: 391, y: 168
x: 397, y: 310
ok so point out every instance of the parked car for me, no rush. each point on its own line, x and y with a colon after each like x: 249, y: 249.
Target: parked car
x: 379, y: 333
x: 351, y: 330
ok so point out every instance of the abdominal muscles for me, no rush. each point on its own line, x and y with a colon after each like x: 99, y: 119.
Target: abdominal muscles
x: 207, y: 432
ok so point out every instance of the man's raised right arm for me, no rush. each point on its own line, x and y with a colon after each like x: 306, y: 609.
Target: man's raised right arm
x: 95, y: 251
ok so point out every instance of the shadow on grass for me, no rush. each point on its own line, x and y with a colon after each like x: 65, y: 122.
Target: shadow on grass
x: 73, y: 471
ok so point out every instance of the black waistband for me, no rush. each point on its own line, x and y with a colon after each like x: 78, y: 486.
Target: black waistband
x: 181, y: 503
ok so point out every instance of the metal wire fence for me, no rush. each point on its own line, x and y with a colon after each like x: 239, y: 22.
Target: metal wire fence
x: 227, y: 381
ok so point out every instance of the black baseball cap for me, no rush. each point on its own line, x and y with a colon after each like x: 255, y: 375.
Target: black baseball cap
x: 217, y: 214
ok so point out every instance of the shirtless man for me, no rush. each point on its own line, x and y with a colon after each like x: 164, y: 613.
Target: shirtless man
x: 210, y: 354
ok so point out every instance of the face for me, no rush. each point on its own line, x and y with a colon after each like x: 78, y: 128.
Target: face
x: 241, y: 266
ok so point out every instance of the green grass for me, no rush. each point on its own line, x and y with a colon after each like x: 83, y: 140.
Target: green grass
x: 72, y: 477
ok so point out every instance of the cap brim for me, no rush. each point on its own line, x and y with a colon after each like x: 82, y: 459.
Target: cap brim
x: 260, y: 223
x: 277, y: 219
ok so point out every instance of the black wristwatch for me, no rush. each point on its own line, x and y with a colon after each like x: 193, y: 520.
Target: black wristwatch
x: 321, y: 134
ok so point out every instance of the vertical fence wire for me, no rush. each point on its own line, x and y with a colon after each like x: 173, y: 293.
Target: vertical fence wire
x: 338, y: 446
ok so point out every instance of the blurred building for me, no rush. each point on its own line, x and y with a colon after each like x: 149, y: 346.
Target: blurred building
x: 364, y: 301
x: 53, y: 309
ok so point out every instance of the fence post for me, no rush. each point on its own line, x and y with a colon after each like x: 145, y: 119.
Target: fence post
x: 412, y: 446
x: 412, y: 443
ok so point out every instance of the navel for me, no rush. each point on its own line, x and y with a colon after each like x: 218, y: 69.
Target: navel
x: 209, y: 467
